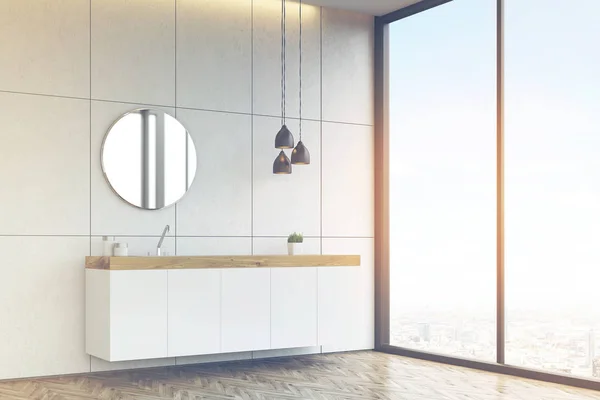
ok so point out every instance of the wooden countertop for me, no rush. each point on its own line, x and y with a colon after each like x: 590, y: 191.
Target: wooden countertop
x: 198, y: 262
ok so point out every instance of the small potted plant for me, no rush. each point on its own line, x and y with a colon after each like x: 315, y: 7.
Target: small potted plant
x: 295, y: 243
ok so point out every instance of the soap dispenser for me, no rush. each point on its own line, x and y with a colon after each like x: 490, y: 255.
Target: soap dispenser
x: 108, y: 243
x: 121, y: 250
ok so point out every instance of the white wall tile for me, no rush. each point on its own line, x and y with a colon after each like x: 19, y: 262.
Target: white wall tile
x: 267, y: 59
x: 219, y: 201
x: 311, y: 64
x: 348, y: 180
x: 45, y: 47
x: 133, y: 51
x: 346, y: 298
x: 214, y: 69
x: 286, y: 203
x: 347, y: 67
x: 42, y: 311
x: 214, y: 358
x: 274, y: 246
x: 111, y: 215
x: 213, y: 246
x: 137, y: 246
x: 45, y: 165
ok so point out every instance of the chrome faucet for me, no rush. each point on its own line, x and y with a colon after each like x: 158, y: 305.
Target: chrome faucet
x: 162, y: 237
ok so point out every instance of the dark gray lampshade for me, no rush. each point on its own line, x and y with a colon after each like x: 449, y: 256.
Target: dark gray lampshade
x: 300, y: 155
x: 284, y: 139
x: 282, y: 165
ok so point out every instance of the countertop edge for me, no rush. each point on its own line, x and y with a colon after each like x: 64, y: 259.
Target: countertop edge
x: 219, y: 262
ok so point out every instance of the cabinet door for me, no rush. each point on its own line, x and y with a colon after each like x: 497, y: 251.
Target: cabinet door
x: 138, y: 315
x: 340, y: 321
x: 346, y: 298
x: 293, y: 307
x: 245, y: 309
x: 194, y: 312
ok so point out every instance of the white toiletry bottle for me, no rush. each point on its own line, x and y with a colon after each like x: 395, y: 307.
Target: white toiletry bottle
x: 108, y: 243
x: 121, y: 250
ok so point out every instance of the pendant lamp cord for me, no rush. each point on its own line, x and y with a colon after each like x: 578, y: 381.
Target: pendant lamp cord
x: 282, y: 62
x: 300, y: 67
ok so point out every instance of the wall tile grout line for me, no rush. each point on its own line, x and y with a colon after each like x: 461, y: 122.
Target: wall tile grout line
x: 180, y: 107
x: 320, y: 154
x: 321, y: 122
x: 175, y: 208
x: 46, y: 94
x: 252, y: 126
x: 175, y: 101
x: 90, y: 137
x: 345, y: 123
x: 88, y: 235
x: 175, y: 51
x: 173, y: 106
x: 85, y: 235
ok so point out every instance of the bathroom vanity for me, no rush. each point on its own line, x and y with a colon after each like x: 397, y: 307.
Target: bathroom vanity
x: 155, y: 307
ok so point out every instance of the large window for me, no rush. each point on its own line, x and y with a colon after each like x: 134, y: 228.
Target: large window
x: 552, y: 185
x: 442, y: 180
x: 480, y: 268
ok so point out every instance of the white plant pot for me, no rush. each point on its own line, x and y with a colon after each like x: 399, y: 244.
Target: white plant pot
x: 294, y: 248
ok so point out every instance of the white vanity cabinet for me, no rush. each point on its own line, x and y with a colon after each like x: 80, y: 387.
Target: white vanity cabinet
x: 155, y: 307
x: 126, y: 314
x: 245, y: 312
x: 294, y: 310
x: 194, y: 317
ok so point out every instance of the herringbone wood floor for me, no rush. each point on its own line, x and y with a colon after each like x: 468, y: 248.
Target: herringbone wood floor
x: 359, y: 375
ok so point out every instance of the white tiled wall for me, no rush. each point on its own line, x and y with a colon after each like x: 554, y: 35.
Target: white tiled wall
x: 69, y: 68
x: 296, y: 197
x: 45, y: 164
x: 45, y: 47
x: 133, y: 51
x: 347, y: 180
x: 212, y: 208
x: 214, y: 55
x: 347, y: 67
x: 42, y: 313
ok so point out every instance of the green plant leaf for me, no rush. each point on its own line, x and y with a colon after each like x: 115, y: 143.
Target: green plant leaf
x: 295, y: 238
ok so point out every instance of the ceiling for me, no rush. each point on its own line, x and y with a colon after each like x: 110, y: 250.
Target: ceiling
x: 373, y: 7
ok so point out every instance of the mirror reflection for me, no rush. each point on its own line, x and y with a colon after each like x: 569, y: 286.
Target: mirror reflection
x: 149, y: 159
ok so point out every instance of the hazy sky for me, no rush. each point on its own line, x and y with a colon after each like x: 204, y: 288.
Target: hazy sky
x: 443, y: 155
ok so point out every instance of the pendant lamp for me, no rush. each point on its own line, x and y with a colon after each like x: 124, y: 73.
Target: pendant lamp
x: 300, y: 155
x: 281, y: 165
x: 284, y: 138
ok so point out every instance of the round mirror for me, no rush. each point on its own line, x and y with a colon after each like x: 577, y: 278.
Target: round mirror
x: 149, y: 159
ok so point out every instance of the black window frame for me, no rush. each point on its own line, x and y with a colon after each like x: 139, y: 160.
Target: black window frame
x: 382, y: 183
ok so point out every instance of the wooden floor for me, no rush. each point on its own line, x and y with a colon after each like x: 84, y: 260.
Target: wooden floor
x: 360, y: 375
